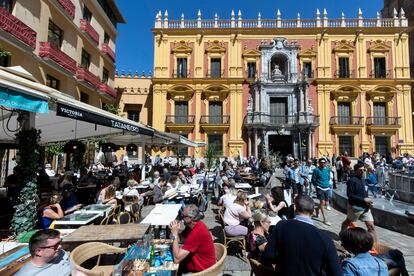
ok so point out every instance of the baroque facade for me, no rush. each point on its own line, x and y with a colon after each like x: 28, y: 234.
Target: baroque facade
x: 65, y: 44
x: 310, y: 87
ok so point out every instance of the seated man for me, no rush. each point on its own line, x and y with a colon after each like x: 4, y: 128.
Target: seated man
x: 48, y: 258
x: 197, y: 252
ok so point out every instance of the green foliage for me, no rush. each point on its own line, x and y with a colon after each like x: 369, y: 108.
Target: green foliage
x: 4, y: 53
x: 54, y: 149
x: 25, y: 216
x: 113, y: 108
x: 275, y: 160
x: 210, y: 155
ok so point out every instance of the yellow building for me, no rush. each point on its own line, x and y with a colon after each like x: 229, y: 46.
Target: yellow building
x: 65, y: 44
x: 304, y: 86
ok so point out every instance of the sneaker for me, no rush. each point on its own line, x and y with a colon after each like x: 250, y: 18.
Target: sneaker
x: 327, y: 223
x: 328, y: 208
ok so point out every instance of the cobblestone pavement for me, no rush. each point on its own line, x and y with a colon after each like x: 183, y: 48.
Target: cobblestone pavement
x: 236, y: 266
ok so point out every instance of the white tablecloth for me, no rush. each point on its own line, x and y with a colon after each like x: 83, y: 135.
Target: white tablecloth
x: 243, y: 186
x: 162, y: 214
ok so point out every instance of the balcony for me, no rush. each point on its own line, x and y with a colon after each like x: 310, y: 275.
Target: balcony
x: 83, y: 74
x: 87, y: 28
x: 68, y: 7
x: 381, y: 74
x: 308, y: 120
x: 181, y: 74
x: 215, y: 74
x: 47, y: 51
x: 17, y: 28
x: 257, y: 119
x: 107, y: 90
x: 108, y: 51
x: 346, y: 123
x: 184, y: 124
x: 343, y: 74
x: 213, y: 123
x: 250, y: 74
x: 383, y: 124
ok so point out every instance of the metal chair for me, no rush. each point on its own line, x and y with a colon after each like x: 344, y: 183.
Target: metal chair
x: 136, y: 211
x: 128, y: 201
x: 124, y: 218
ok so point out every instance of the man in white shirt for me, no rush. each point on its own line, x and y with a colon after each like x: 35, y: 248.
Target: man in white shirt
x: 48, y: 257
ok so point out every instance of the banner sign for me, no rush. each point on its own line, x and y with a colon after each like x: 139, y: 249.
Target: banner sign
x: 82, y: 115
x: 22, y: 101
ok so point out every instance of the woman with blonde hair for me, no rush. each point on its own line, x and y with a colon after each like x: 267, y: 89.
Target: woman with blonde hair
x: 109, y: 197
x: 258, y: 237
x: 51, y: 212
x: 235, y: 213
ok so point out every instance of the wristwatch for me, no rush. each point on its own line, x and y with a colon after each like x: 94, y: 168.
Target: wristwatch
x: 173, y: 237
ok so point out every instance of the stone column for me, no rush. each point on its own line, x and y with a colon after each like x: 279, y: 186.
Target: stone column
x: 255, y: 144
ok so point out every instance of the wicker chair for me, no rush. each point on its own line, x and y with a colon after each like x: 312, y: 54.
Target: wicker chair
x: 383, y: 248
x: 136, y: 209
x: 124, y: 218
x: 239, y: 240
x: 89, y: 250
x: 217, y: 268
x: 258, y: 269
x: 128, y: 201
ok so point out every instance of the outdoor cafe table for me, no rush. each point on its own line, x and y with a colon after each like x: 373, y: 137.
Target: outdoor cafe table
x: 102, y: 209
x: 243, y: 186
x: 76, y: 220
x: 162, y: 214
x: 130, y: 232
x: 13, y: 257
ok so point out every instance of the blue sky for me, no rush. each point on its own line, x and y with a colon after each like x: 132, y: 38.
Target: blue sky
x: 135, y: 47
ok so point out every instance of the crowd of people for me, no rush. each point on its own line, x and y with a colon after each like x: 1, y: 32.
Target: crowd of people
x: 278, y: 225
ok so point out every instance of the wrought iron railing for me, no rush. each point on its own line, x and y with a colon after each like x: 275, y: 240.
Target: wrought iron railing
x: 346, y: 120
x: 176, y: 119
x: 215, y: 119
x: 383, y: 121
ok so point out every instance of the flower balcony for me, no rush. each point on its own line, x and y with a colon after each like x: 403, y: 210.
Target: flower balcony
x: 87, y: 28
x: 11, y: 24
x: 107, y: 90
x: 84, y: 75
x: 108, y: 51
x: 68, y: 6
x: 47, y: 51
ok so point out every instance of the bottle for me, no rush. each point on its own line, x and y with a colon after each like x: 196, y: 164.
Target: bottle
x: 152, y: 256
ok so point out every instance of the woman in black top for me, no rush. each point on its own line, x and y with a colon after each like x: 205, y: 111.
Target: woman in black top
x: 277, y: 203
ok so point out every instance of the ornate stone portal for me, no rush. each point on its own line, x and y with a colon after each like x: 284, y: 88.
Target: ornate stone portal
x: 279, y: 115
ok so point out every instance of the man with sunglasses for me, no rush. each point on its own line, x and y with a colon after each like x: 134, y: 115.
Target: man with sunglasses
x: 320, y: 180
x: 48, y: 258
x: 359, y: 204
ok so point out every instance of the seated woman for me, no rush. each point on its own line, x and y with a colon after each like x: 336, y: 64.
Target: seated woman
x: 235, y: 213
x: 358, y: 241
x: 259, y: 236
x: 51, y: 212
x: 109, y: 197
x: 130, y: 190
x: 229, y: 196
x: 277, y: 204
x: 69, y: 202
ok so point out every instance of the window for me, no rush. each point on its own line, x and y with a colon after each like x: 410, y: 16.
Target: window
x: 346, y: 143
x: 343, y: 67
x: 87, y: 14
x: 344, y: 113
x: 217, y: 141
x: 106, y: 38
x: 380, y: 71
x: 307, y: 69
x: 7, y: 5
x: 382, y: 144
x: 215, y: 109
x: 105, y: 75
x: 85, y: 60
x: 52, y: 82
x: 181, y: 68
x: 5, y: 60
x: 278, y: 110
x: 380, y: 113
x: 55, y: 35
x: 215, y: 68
x: 84, y: 97
x: 133, y: 115
x: 181, y: 112
x: 251, y: 70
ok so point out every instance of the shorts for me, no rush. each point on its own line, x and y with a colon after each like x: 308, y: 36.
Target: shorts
x: 323, y: 195
x: 354, y: 214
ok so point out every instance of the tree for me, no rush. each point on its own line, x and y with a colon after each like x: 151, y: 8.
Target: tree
x: 25, y: 216
x: 112, y: 108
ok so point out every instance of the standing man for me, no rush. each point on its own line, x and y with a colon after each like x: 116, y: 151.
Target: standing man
x: 48, y: 257
x: 346, y: 162
x: 306, y: 173
x: 320, y: 179
x: 295, y: 178
x: 359, y: 204
x: 197, y: 253
x: 299, y: 248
